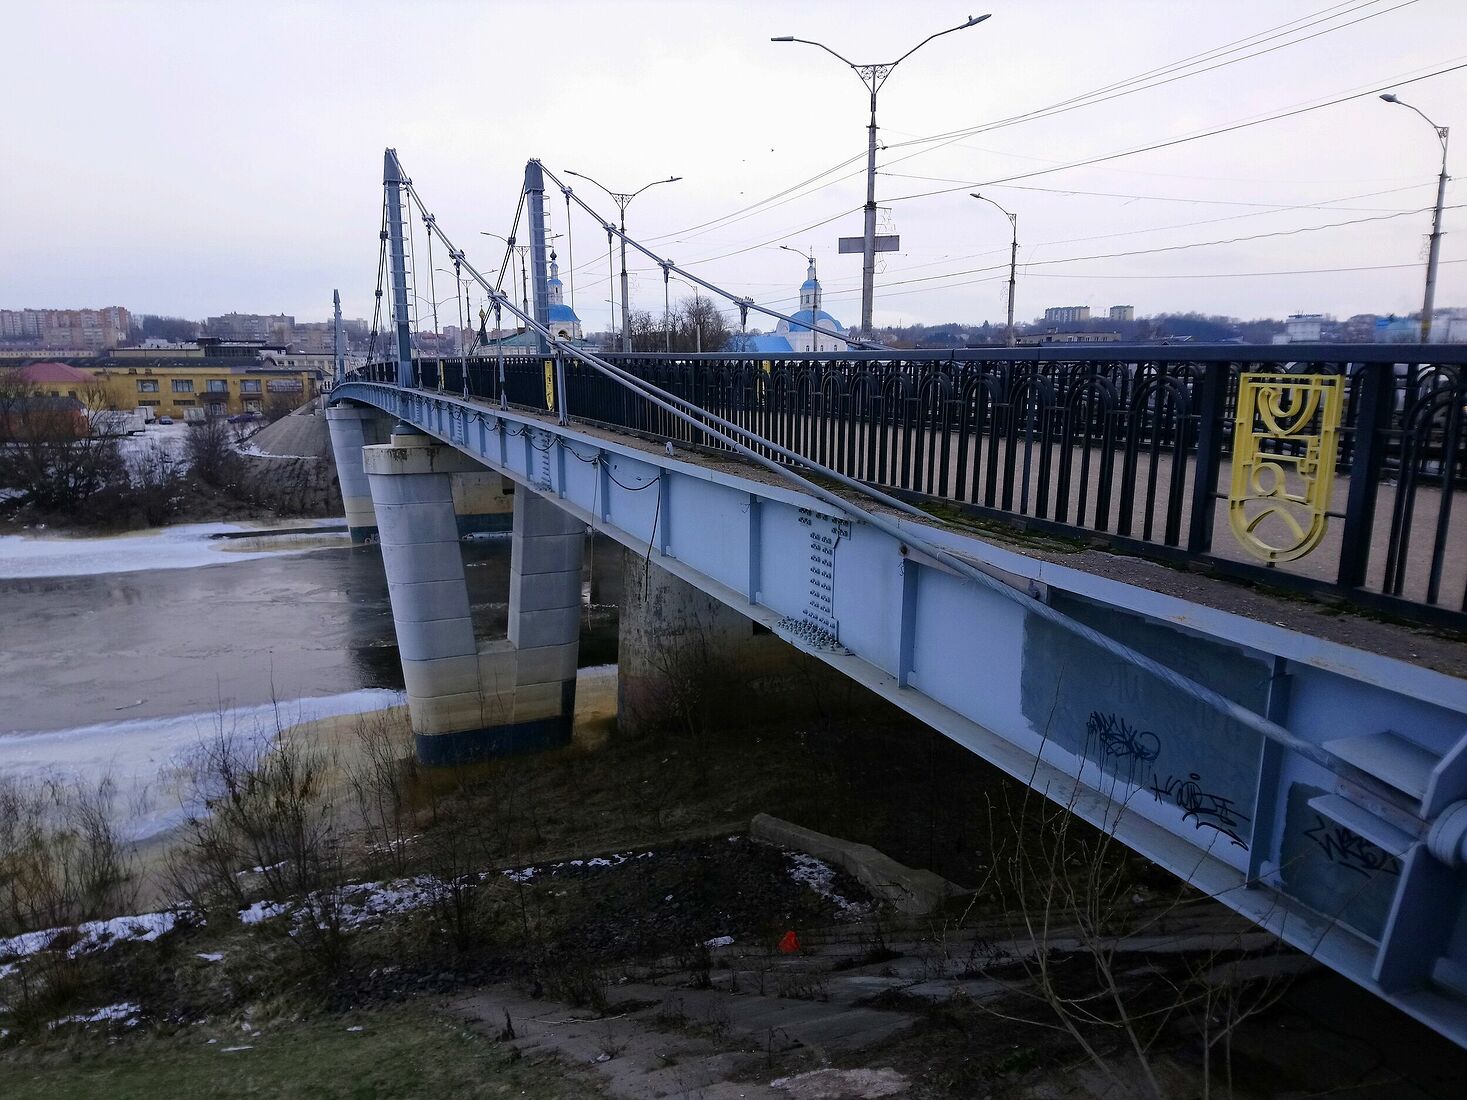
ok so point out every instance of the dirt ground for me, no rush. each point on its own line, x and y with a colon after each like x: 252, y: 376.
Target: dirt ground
x: 622, y: 936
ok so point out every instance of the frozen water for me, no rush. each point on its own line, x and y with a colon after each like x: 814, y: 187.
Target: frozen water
x: 185, y: 546
x: 147, y: 758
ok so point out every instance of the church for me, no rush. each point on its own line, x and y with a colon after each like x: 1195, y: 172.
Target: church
x: 561, y: 318
x: 796, y: 334
x: 798, y: 330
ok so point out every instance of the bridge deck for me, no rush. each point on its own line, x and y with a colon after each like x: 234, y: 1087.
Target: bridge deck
x: 1329, y: 617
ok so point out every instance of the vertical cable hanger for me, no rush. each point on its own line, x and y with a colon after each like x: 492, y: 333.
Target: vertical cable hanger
x: 570, y: 249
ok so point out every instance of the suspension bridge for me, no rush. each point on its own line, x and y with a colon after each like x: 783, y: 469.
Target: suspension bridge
x: 838, y: 503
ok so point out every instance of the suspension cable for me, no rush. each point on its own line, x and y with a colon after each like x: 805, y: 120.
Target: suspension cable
x: 413, y: 296
x: 381, y: 267
x: 570, y: 252
x: 433, y: 291
x: 704, y: 283
x: 700, y: 420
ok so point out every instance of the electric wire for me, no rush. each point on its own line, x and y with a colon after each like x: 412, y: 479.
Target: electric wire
x: 710, y: 424
x: 952, y: 137
x: 1062, y: 106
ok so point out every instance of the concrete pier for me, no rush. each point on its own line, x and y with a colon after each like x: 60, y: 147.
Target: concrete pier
x: 688, y: 657
x: 468, y: 700
x: 482, y: 501
x: 353, y: 427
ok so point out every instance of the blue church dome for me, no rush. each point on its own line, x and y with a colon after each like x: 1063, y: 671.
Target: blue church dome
x: 803, y: 319
x: 559, y: 313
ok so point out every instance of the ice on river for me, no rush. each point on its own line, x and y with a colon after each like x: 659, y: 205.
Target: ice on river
x: 185, y: 546
x: 149, y: 758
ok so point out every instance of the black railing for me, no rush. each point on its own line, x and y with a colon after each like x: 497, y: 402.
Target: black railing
x: 1131, y: 446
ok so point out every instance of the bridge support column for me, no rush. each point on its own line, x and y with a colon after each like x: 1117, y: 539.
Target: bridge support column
x: 469, y: 701
x: 545, y: 615
x: 353, y: 427
x: 482, y: 501
x: 685, y: 657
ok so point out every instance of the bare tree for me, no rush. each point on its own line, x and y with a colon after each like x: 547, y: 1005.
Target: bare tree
x: 52, y: 447
x: 695, y: 324
x: 211, y: 452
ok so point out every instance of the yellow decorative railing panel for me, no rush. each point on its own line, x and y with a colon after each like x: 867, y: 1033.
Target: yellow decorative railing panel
x: 1283, y: 462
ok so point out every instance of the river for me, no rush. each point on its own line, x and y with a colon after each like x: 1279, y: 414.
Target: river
x: 117, y: 654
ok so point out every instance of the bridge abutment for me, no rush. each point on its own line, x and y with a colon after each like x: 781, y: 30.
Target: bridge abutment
x: 685, y: 656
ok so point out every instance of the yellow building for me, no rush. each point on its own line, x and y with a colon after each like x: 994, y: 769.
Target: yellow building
x: 188, y: 390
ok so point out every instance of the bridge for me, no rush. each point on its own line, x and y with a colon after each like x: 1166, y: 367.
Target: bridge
x: 845, y: 508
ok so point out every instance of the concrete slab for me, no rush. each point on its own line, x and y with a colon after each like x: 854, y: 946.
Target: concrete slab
x: 908, y: 890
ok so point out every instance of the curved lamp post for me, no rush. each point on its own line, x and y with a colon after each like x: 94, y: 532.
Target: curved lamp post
x: 1013, y: 259
x: 1436, y: 222
x: 623, y: 200
x: 873, y: 77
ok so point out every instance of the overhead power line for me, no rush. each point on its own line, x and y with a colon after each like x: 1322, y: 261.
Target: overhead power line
x: 953, y: 136
x: 787, y: 194
x: 1114, y: 89
x: 1169, y: 142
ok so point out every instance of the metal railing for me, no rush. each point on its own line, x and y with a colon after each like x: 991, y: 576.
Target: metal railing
x: 1127, y: 446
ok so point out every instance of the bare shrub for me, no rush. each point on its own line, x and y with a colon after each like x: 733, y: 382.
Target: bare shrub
x: 62, y: 859
x: 1081, y: 908
x: 53, y: 448
x: 62, y: 863
x: 457, y: 843
x: 265, y: 828
x: 157, y: 483
x: 211, y: 452
x: 380, y: 778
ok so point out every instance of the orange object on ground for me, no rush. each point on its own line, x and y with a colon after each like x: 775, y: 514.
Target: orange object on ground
x: 789, y: 943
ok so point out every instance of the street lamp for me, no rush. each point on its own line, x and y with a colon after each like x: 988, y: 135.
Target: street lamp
x: 874, y: 77
x: 623, y: 200
x: 1013, y: 259
x: 1436, y: 222
x: 523, y: 250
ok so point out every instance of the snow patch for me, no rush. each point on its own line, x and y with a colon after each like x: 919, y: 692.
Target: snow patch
x: 820, y: 877
x: 262, y: 911
x: 96, y: 935
x: 124, y: 1012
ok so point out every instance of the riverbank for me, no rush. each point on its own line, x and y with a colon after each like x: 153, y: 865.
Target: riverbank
x: 260, y: 473
x: 598, y: 916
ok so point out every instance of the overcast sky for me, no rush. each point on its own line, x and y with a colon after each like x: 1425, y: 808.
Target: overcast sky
x: 193, y: 158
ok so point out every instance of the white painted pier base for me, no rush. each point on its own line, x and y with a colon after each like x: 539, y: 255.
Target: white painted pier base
x: 467, y: 701
x: 353, y: 427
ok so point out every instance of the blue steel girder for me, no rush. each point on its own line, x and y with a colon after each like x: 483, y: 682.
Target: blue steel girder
x: 1372, y: 886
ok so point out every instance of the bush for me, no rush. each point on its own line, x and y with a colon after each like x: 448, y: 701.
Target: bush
x: 211, y: 453
x: 62, y: 859
x: 267, y: 830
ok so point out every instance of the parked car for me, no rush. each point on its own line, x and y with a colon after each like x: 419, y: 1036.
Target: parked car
x: 165, y: 420
x: 245, y: 417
